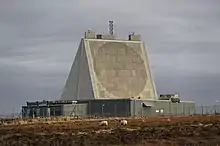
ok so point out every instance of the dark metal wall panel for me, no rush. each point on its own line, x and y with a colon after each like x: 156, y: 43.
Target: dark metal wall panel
x: 55, y: 110
x: 42, y: 111
x: 109, y: 108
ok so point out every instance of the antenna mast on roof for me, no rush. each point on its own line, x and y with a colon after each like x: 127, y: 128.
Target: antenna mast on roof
x: 111, y: 28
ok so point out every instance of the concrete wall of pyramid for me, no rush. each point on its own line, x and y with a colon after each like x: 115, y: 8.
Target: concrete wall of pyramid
x: 105, y: 67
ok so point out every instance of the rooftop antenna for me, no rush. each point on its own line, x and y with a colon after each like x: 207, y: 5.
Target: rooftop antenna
x: 111, y: 27
x: 132, y: 33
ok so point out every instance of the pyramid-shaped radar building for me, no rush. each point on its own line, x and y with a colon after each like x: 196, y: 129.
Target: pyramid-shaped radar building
x: 107, y: 68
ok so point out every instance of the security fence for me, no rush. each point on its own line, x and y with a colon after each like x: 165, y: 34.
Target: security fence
x: 171, y: 110
x: 214, y: 109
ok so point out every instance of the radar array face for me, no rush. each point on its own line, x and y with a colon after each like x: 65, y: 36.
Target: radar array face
x: 119, y: 69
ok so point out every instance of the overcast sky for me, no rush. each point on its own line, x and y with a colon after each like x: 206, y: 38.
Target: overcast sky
x: 39, y: 38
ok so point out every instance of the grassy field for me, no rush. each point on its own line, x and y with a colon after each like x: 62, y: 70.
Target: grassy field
x: 192, y: 130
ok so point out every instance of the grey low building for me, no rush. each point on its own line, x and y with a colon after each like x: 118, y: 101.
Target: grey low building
x: 108, y: 108
x: 54, y: 108
x: 139, y: 107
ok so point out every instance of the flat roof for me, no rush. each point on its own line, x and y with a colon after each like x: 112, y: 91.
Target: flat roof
x: 100, y: 99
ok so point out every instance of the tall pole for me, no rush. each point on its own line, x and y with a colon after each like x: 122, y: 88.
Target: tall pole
x: 215, y: 106
x: 141, y: 109
x: 90, y: 112
x: 202, y: 109
x: 126, y: 110
x: 183, y: 109
x: 102, y: 109
x: 169, y: 108
x: 53, y: 111
x: 216, y: 102
x: 176, y: 111
x: 134, y: 107
x: 13, y: 112
x: 115, y: 110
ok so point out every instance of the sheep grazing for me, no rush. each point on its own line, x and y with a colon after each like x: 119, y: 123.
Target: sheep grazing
x: 103, y: 123
x: 123, y: 122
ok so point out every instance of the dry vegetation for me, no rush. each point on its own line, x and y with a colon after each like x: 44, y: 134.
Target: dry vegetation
x: 193, y: 130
